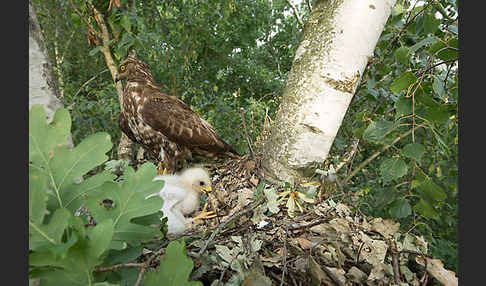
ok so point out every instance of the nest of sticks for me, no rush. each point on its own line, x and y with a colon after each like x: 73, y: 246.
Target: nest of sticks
x: 254, y: 241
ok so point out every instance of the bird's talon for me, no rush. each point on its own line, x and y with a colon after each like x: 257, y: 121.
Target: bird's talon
x: 205, y: 207
x: 205, y: 215
x: 161, y: 170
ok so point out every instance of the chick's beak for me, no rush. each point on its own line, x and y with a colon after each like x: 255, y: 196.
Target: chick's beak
x: 116, y: 78
x: 205, y: 190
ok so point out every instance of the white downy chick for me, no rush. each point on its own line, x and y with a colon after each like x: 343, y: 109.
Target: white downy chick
x: 181, y: 195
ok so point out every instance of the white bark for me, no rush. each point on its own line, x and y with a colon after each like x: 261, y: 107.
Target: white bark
x: 43, y: 87
x: 338, y: 39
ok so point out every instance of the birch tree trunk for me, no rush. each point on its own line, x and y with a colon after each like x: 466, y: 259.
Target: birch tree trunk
x: 43, y: 87
x: 337, y: 42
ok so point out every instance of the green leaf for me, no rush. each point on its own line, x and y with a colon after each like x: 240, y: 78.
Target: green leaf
x: 403, y: 82
x: 93, y: 51
x: 77, y: 266
x: 413, y: 151
x: 125, y: 22
x: 403, y: 106
x: 437, y: 114
x: 400, y: 209
x: 425, y: 209
x: 431, y: 24
x: 432, y: 192
x: 61, y: 250
x: 68, y: 165
x: 100, y: 237
x: 74, y: 195
x: 44, y: 138
x: 271, y: 195
x: 402, y: 55
x: 425, y: 42
x: 445, y: 53
x: 393, y: 168
x: 174, y: 269
x: 438, y: 88
x: 127, y: 201
x: 47, y: 235
x: 48, y: 152
x: 37, y: 196
x: 377, y: 130
x: 122, y: 256
x: 150, y: 219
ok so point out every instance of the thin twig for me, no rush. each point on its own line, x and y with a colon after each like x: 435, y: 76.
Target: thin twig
x: 227, y: 221
x: 396, y: 270
x: 81, y: 16
x: 359, y: 252
x: 293, y: 279
x: 275, y: 276
x: 248, y: 140
x: 331, y: 275
x: 88, y: 81
x: 296, y: 12
x: 367, y: 161
x: 447, y: 76
x: 67, y: 45
x: 140, y: 275
x: 226, y: 268
x: 350, y: 154
x: 309, y: 5
x: 415, y: 252
x: 118, y: 266
x: 311, y: 224
x: 441, y: 63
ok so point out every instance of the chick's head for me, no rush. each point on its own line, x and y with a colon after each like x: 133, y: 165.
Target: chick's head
x: 197, y: 179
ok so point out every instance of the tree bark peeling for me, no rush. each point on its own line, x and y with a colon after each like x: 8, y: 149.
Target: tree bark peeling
x: 337, y: 41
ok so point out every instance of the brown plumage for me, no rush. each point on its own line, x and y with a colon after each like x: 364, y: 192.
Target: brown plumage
x: 163, y: 124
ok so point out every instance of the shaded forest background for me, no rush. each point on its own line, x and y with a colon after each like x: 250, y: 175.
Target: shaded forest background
x: 220, y: 56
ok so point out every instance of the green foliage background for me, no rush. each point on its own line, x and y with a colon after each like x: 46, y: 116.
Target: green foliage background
x: 220, y: 56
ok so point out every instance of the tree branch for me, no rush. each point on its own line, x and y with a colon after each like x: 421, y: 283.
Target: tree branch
x: 296, y: 13
x: 367, y: 161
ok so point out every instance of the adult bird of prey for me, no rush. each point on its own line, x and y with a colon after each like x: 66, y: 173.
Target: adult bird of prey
x: 163, y: 124
x: 181, y: 195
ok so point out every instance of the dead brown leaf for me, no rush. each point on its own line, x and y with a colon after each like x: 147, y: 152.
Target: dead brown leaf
x: 304, y: 243
x: 386, y: 227
x: 436, y: 268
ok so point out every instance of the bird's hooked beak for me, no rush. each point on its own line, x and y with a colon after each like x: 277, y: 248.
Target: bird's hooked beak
x: 206, y: 190
x: 116, y: 78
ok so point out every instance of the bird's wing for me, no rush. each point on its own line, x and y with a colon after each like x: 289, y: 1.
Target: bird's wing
x: 123, y: 124
x: 172, y: 192
x: 175, y: 220
x: 172, y: 195
x: 180, y: 124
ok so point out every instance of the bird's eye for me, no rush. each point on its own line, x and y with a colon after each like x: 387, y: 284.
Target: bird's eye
x: 122, y: 68
x: 201, y: 183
